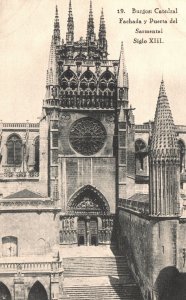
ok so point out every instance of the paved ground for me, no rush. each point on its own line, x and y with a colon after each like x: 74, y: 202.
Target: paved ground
x: 86, y: 251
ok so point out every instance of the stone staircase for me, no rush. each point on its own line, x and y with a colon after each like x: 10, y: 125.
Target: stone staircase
x: 103, y: 292
x: 99, y: 278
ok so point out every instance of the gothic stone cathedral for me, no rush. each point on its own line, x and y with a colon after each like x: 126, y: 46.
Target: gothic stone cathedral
x: 86, y: 175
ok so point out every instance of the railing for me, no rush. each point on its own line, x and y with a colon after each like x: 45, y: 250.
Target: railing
x: 18, y: 174
x: 21, y: 125
x: 180, y: 128
x: 138, y: 206
x: 82, y: 102
x: 145, y: 127
x: 107, y: 63
x: 29, y: 267
x: 142, y: 127
x: 27, y: 205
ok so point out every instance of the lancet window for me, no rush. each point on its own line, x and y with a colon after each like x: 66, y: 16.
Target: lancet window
x: 68, y: 82
x: 107, y: 83
x: 88, y: 82
x: 14, y: 150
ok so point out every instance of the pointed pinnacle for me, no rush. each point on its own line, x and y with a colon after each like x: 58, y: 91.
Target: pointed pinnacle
x: 90, y: 6
x: 56, y: 32
x: 90, y: 11
x: 90, y: 24
x: 102, y: 20
x: 122, y: 72
x: 70, y: 8
x: 56, y: 11
x: 56, y: 20
x: 122, y: 47
x: 162, y: 92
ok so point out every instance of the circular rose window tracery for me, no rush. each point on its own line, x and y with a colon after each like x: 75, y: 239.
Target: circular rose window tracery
x: 87, y: 136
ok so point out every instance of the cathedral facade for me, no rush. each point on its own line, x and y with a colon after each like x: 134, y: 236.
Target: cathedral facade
x: 85, y: 171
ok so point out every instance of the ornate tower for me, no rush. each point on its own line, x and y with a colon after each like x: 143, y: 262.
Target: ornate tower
x: 125, y: 169
x: 86, y: 92
x: 164, y: 161
x: 70, y: 26
x: 49, y: 121
x: 91, y: 37
x: 122, y: 80
x: 102, y: 42
x: 56, y: 34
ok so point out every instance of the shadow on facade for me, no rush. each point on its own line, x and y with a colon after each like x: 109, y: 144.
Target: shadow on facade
x: 37, y: 292
x: 171, y: 284
x: 123, y: 284
x: 4, y: 292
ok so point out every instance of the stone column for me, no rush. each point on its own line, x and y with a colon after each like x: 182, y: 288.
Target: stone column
x: 19, y: 289
x: 88, y: 230
x: 54, y: 286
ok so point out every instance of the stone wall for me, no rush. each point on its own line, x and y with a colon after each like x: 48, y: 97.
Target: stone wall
x: 36, y: 233
x: 156, y: 253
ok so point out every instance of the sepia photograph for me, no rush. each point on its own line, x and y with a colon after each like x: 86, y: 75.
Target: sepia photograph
x: 92, y: 150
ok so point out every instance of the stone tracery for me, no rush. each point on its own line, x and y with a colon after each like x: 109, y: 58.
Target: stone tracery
x: 87, y: 136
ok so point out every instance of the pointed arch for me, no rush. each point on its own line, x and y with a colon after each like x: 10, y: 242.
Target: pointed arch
x: 14, y: 149
x: 88, y: 82
x: 36, y: 153
x: 107, y: 82
x: 37, y: 292
x: 68, y: 81
x: 88, y: 198
x: 4, y: 292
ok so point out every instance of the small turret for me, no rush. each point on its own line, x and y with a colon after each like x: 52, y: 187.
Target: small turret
x: 123, y: 83
x: 90, y: 27
x: 102, y: 36
x: 56, y: 33
x: 164, y: 161
x: 70, y: 26
x: 52, y: 78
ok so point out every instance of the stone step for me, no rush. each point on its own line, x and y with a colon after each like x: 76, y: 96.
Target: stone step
x: 103, y: 292
x: 96, y: 266
x: 99, y: 278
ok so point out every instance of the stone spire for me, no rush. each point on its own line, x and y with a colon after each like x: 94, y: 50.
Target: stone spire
x: 52, y: 78
x: 164, y: 142
x: 56, y: 33
x: 102, y: 34
x: 90, y: 26
x: 164, y: 161
x: 70, y: 26
x: 122, y: 71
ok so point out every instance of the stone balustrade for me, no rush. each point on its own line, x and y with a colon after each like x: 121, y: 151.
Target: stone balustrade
x: 29, y: 267
x: 138, y: 206
x: 88, y: 102
x: 28, y: 205
x: 11, y: 174
x: 20, y: 125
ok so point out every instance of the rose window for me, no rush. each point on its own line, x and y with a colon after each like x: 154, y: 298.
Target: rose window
x: 87, y: 136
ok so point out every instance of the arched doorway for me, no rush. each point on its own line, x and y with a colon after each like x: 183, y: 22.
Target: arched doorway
x: 87, y: 231
x: 88, y: 220
x: 4, y: 292
x: 37, y: 292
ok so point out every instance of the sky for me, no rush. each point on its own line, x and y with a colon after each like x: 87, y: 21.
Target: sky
x: 26, y: 28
